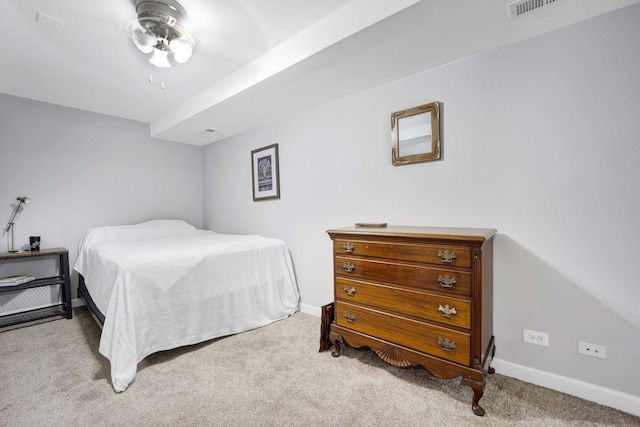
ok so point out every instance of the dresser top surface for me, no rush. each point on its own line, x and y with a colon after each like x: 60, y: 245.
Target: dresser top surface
x: 450, y: 233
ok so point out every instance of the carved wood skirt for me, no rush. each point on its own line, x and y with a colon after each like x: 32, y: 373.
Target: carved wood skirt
x: 402, y: 356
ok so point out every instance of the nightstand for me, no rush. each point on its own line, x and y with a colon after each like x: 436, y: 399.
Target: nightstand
x: 60, y: 309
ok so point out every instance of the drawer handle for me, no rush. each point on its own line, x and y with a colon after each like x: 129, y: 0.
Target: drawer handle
x: 350, y: 317
x: 446, y: 256
x: 446, y: 281
x: 351, y: 291
x: 446, y: 311
x: 446, y: 345
x: 348, y: 247
x: 349, y: 267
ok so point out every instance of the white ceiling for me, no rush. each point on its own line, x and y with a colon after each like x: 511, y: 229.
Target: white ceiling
x: 255, y: 61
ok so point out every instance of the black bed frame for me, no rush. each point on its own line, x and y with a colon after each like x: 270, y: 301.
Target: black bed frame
x: 84, y: 294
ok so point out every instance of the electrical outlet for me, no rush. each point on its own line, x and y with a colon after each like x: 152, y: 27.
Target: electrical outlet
x: 593, y: 350
x: 534, y: 337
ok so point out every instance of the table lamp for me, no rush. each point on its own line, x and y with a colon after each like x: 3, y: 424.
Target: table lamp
x: 22, y: 200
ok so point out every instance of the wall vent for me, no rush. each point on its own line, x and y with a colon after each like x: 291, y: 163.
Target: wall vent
x: 522, y: 7
x: 49, y: 21
x: 206, y: 131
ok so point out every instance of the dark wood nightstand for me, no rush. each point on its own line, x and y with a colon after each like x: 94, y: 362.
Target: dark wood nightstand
x: 61, y: 309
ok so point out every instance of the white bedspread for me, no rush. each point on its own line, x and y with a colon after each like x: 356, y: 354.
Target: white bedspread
x: 164, y: 284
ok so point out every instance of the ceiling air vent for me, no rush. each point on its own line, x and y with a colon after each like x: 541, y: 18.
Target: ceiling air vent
x: 206, y: 131
x: 522, y: 7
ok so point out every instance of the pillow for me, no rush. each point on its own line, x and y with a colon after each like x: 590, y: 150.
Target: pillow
x: 146, y: 230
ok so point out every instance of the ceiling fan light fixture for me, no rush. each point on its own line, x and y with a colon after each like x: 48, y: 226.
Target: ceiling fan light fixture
x: 143, y: 40
x: 181, y: 50
x: 159, y: 58
x: 159, y: 31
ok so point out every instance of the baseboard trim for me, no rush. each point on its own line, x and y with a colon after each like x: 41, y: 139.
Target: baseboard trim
x: 310, y: 309
x: 584, y: 390
x: 592, y: 392
x: 77, y: 302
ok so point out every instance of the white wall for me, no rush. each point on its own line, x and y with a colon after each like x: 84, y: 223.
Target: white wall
x: 82, y: 169
x: 540, y: 141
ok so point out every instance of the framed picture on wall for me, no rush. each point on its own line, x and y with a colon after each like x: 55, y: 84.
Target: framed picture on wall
x: 265, y: 173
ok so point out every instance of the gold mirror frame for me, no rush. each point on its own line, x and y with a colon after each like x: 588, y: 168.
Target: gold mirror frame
x: 419, y: 121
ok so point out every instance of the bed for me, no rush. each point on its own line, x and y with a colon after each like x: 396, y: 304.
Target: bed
x: 163, y: 284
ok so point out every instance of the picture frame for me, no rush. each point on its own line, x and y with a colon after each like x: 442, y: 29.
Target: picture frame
x: 415, y: 134
x: 265, y: 173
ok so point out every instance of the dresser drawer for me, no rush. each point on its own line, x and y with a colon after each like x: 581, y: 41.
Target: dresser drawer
x: 432, y: 307
x: 417, y: 276
x: 432, y: 254
x: 435, y: 340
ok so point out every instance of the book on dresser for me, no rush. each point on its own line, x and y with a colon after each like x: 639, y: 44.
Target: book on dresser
x: 15, y: 280
x: 416, y: 296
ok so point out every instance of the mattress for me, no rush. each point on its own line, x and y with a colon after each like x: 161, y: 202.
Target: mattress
x: 164, y: 284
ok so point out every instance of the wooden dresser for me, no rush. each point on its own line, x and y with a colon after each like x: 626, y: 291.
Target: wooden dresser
x: 417, y: 296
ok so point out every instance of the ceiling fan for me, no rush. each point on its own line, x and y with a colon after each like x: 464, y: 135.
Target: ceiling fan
x: 159, y: 32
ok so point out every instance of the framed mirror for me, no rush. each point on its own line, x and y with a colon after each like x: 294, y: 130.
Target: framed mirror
x: 415, y: 134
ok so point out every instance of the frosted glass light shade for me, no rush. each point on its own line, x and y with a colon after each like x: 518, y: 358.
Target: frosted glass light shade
x: 142, y: 38
x: 159, y: 58
x: 143, y: 41
x: 181, y: 50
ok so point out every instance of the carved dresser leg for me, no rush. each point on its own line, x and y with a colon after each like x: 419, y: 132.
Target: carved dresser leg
x: 336, y: 340
x: 478, y: 391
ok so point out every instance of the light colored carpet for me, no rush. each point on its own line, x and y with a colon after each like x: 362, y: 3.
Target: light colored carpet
x: 52, y: 374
